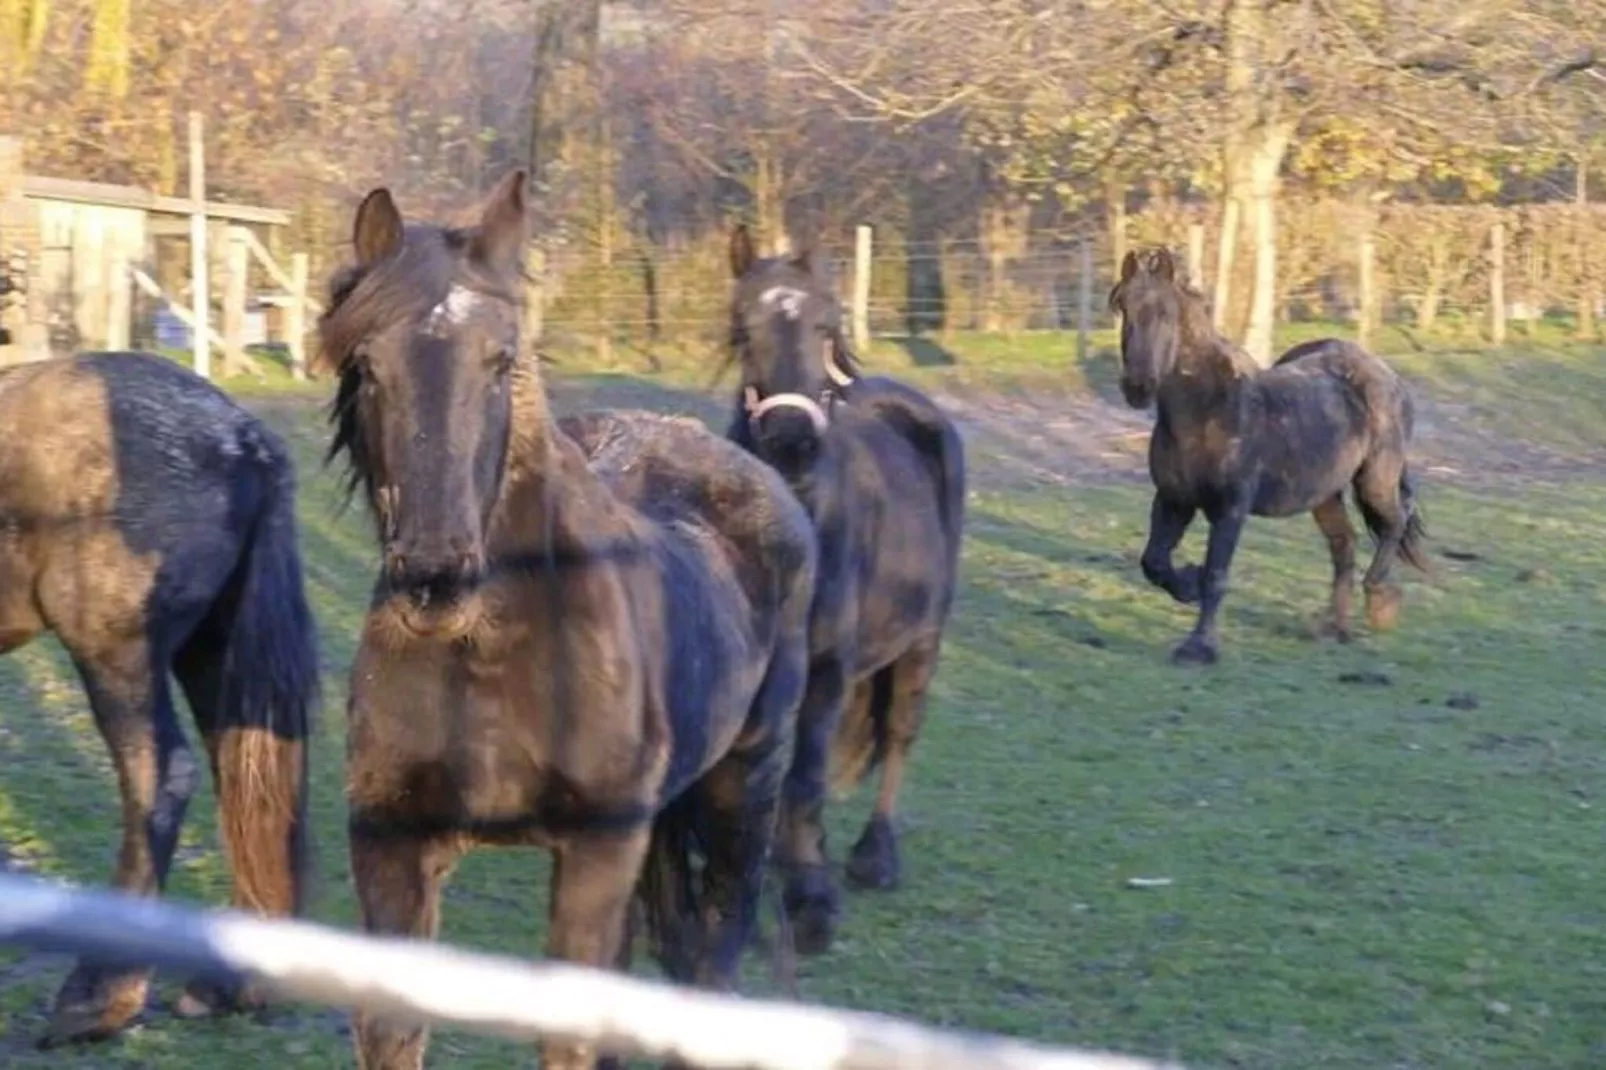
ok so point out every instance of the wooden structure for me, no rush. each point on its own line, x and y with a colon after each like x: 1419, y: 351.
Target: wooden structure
x: 92, y: 252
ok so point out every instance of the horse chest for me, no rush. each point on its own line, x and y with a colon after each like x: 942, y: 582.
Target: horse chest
x: 1197, y: 464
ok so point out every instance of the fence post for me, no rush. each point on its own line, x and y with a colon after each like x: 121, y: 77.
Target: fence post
x: 1497, y: 283
x: 295, y: 316
x: 1368, y: 295
x: 119, y: 297
x: 861, y: 289
x: 234, y: 296
x: 1084, y: 298
x: 1196, y: 252
x: 1587, y: 294
x: 200, y: 295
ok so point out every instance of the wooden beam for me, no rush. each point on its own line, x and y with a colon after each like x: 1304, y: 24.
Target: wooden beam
x: 199, y: 268
x: 418, y: 981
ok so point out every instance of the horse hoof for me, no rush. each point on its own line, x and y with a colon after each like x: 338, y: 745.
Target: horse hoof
x: 1383, y: 608
x: 92, y: 1008
x: 204, y: 999
x: 812, y: 909
x: 813, y: 929
x: 873, y: 864
x: 1194, y: 652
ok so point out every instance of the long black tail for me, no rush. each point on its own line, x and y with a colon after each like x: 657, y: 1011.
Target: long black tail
x: 1412, y: 550
x: 668, y: 890
x: 270, y: 688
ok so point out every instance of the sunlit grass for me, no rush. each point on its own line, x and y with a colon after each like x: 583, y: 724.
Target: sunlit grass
x: 1395, y: 871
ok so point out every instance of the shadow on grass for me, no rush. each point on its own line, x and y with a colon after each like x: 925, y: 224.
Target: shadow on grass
x: 925, y: 353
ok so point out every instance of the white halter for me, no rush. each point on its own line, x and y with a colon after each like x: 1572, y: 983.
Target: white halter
x: 821, y: 420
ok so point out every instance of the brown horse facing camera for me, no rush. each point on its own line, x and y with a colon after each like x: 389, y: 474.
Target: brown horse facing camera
x: 1232, y: 440
x: 588, y: 634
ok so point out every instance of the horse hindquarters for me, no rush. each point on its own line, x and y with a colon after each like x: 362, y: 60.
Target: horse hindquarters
x: 732, y: 812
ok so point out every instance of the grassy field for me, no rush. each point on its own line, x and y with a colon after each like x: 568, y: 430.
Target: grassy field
x: 1384, y: 855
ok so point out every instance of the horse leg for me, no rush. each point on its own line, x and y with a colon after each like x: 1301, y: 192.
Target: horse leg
x: 1168, y: 523
x: 1377, y: 491
x: 1226, y: 526
x: 811, y: 900
x: 399, y: 882
x: 738, y: 800
x: 874, y: 863
x: 593, y: 881
x: 156, y: 774
x: 1333, y: 520
x: 199, y: 667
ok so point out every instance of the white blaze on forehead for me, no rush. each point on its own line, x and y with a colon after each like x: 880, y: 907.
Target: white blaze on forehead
x: 788, y: 299
x: 454, y: 309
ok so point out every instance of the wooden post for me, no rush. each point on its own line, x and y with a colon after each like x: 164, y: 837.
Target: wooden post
x: 295, y: 315
x: 1084, y: 299
x: 13, y: 209
x: 1587, y: 293
x: 119, y: 297
x: 535, y: 274
x: 235, y: 290
x: 861, y: 289
x: 200, y: 294
x: 1196, y: 253
x: 1367, y: 317
x: 1497, y: 283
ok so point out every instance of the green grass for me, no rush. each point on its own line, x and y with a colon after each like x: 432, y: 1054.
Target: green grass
x: 1365, y: 875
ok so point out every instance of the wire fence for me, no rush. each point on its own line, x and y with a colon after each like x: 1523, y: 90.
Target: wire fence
x: 495, y: 996
x: 1461, y: 276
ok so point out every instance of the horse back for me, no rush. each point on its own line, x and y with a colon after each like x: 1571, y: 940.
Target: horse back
x: 129, y: 468
x: 734, y: 559
x: 903, y: 499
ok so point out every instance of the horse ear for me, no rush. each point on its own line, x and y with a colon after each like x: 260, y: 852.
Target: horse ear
x: 1165, y: 265
x: 377, y: 230
x: 1129, y: 266
x: 503, y: 223
x: 742, y: 255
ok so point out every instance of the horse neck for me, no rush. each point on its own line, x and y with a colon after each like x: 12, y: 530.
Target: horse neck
x: 551, y: 499
x: 1206, y: 380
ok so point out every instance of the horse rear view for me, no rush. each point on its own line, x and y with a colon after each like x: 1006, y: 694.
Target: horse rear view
x: 148, y: 521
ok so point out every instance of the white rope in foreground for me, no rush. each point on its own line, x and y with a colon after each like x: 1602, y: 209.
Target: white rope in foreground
x: 500, y: 996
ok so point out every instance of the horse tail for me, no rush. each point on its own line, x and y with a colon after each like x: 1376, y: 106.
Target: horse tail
x: 269, y: 688
x: 1416, y: 532
x: 861, y: 739
x: 951, y: 490
x: 668, y: 894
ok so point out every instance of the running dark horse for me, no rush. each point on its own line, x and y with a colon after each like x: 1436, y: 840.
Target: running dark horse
x: 588, y: 635
x: 881, y: 471
x: 1233, y: 440
x: 149, y: 523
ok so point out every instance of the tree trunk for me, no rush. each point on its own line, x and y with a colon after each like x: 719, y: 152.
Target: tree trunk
x: 1226, y: 255
x: 1264, y: 163
x: 1115, y: 219
x: 769, y: 203
x: 1427, y: 313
